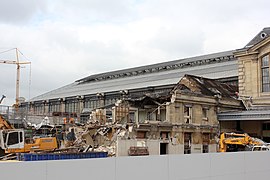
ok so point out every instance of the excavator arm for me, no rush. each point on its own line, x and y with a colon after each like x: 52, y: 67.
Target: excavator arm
x: 2, y: 98
x: 237, y: 139
x: 4, y: 124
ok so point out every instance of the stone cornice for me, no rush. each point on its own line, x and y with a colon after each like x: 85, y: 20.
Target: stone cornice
x: 244, y: 52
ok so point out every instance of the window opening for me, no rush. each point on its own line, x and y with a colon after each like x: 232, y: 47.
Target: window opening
x: 205, y: 113
x: 13, y: 138
x: 265, y: 74
x: 187, y: 114
x: 187, y: 143
x: 163, y: 148
x: 206, y: 140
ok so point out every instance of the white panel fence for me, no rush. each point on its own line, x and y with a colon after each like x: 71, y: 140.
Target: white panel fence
x: 214, y: 166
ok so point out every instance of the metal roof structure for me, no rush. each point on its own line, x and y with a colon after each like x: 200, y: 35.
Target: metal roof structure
x: 217, y: 65
x: 249, y: 115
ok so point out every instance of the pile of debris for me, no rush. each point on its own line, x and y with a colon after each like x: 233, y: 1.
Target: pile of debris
x: 95, y: 135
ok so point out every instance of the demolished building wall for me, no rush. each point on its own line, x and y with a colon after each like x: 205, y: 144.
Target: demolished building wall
x: 190, y: 125
x: 180, y: 121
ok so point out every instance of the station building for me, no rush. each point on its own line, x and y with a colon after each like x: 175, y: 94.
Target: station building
x: 177, y: 106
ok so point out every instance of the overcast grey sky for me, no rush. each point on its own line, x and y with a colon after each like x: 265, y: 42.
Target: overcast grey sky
x: 69, y: 39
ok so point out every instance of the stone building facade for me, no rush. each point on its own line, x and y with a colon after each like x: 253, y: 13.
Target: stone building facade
x: 254, y: 89
x: 170, y: 117
x: 181, y: 122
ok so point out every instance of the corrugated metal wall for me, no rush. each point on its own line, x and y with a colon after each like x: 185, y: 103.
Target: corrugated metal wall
x: 216, y: 166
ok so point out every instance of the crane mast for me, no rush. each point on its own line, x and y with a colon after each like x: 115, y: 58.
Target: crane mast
x: 17, y: 79
x: 18, y: 63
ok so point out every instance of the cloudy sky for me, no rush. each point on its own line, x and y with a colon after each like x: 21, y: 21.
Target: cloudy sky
x: 66, y: 40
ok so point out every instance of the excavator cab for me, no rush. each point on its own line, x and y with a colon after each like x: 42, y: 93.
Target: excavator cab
x: 12, y: 139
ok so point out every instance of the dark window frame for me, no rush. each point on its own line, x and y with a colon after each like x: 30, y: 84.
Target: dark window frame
x: 265, y: 75
x: 187, y: 111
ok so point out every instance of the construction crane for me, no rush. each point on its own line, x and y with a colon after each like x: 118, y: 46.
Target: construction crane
x: 18, y: 63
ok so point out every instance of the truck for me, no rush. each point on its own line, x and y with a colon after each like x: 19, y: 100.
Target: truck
x: 230, y: 142
x: 265, y: 147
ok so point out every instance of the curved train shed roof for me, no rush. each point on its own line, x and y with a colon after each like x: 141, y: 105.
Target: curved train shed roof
x: 217, y: 65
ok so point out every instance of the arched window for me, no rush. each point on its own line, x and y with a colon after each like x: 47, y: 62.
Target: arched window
x: 265, y: 74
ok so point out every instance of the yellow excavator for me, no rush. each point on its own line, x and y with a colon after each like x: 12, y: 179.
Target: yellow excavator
x: 13, y: 140
x: 229, y: 142
x: 4, y: 124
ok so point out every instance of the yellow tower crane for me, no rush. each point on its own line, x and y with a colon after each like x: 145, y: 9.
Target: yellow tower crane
x: 18, y: 63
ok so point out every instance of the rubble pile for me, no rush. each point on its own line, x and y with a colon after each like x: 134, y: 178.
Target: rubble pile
x: 95, y: 135
x: 100, y: 137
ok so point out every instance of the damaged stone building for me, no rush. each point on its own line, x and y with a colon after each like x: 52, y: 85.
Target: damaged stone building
x: 154, y: 109
x: 182, y: 121
x: 144, y: 94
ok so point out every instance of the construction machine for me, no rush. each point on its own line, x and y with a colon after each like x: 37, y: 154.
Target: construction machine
x: 230, y: 142
x: 14, y: 141
x: 264, y: 147
x: 4, y: 124
x: 2, y: 98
